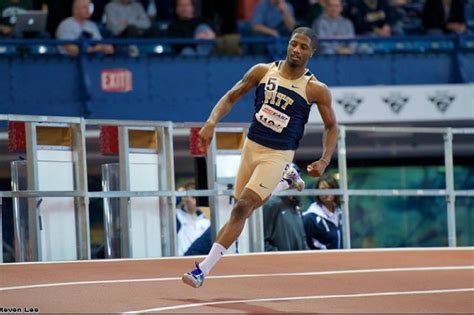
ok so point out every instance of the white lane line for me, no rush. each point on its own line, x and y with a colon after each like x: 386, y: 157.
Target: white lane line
x: 292, y: 274
x: 296, y: 298
x: 328, y: 252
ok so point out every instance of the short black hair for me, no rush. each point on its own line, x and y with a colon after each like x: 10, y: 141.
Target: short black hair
x: 308, y: 32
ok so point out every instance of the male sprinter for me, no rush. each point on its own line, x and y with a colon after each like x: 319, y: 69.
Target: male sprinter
x: 285, y: 92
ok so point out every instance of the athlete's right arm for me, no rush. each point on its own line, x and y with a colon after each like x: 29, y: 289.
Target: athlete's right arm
x: 225, y: 104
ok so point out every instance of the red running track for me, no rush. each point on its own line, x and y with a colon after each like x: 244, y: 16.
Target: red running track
x: 368, y: 281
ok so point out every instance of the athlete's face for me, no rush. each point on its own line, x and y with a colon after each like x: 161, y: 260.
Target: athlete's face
x: 299, y: 50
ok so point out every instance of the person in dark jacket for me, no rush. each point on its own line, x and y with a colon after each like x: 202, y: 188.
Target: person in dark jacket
x: 188, y: 25
x: 444, y: 16
x: 371, y: 17
x: 322, y: 220
x: 283, y: 224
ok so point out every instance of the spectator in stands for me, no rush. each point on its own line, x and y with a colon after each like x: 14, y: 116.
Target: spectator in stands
x: 127, y: 18
x: 322, y: 220
x: 190, y: 221
x: 8, y: 11
x: 332, y: 25
x: 187, y: 25
x: 274, y: 18
x: 371, y: 17
x: 283, y: 224
x: 202, y: 245
x: 444, y: 16
x: 79, y: 26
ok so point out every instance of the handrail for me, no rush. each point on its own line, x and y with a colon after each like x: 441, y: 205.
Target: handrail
x: 440, y: 43
x: 243, y: 39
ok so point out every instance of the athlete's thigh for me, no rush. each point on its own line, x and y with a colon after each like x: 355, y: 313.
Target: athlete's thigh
x: 267, y: 175
x: 245, y: 170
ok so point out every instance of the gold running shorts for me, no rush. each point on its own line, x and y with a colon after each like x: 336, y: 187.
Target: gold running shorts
x: 260, y: 168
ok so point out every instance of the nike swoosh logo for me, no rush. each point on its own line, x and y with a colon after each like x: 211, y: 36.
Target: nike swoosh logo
x: 295, y: 87
x: 263, y: 186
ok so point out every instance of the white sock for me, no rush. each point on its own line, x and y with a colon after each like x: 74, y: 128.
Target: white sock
x: 217, y: 251
x: 282, y: 185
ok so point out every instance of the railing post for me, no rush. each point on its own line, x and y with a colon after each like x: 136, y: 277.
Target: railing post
x: 125, y: 214
x: 342, y: 163
x: 211, y: 184
x: 451, y: 197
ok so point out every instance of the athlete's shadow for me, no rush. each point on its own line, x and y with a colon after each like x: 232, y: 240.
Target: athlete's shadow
x: 238, y: 307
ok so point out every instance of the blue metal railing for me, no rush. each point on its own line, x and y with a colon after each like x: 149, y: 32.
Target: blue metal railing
x: 374, y: 44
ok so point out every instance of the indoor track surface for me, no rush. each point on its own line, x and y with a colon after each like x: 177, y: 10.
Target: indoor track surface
x: 429, y: 280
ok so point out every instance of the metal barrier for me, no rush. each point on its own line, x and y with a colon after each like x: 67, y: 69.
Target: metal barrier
x: 165, y: 129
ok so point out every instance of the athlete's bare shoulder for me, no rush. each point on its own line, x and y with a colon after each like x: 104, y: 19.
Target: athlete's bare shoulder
x: 258, y: 71
x: 250, y: 80
x: 318, y: 92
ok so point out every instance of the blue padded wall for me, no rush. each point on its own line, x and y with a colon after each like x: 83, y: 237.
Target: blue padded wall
x: 185, y: 89
x: 47, y: 85
x: 423, y: 69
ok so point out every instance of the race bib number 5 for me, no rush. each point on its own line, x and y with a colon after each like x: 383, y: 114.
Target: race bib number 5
x: 272, y: 118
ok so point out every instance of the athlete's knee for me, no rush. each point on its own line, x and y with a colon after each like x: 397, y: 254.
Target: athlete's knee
x: 243, y: 209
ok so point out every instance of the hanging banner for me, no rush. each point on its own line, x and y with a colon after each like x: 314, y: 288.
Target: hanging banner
x: 444, y: 102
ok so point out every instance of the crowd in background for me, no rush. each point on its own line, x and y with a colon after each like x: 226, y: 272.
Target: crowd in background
x: 217, y: 20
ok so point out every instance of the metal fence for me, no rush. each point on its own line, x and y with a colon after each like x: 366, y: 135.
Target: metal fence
x: 82, y: 195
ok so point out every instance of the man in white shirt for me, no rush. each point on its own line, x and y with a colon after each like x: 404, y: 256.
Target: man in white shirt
x: 191, y: 222
x: 79, y: 26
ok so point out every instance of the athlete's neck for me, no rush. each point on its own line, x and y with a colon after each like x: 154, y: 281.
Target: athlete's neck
x: 290, y: 71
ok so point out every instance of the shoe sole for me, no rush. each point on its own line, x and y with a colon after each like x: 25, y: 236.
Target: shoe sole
x: 187, y: 279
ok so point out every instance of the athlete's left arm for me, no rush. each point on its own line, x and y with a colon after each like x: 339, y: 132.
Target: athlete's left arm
x: 319, y: 93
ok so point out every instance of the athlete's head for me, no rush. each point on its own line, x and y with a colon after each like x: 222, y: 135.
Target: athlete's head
x: 301, y: 46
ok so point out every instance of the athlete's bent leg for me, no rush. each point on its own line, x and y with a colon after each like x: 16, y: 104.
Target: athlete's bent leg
x: 247, y: 203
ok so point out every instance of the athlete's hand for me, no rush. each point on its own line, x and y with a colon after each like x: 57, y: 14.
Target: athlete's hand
x: 317, y: 168
x: 205, y: 135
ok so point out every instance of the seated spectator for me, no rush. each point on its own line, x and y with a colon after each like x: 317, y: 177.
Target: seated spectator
x: 190, y: 221
x: 8, y: 11
x: 371, y: 17
x: 283, y: 228
x: 444, y: 16
x: 273, y: 18
x: 79, y: 26
x: 332, y: 25
x: 127, y: 18
x: 322, y: 220
x: 187, y: 25
x: 202, y: 245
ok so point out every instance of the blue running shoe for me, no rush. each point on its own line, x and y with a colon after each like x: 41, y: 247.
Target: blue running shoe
x: 194, y: 278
